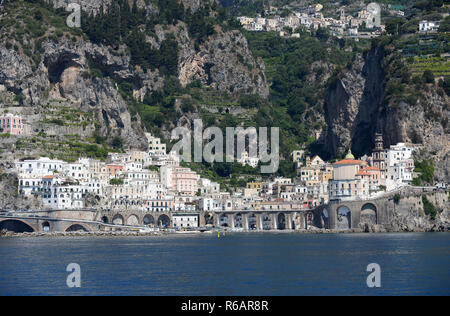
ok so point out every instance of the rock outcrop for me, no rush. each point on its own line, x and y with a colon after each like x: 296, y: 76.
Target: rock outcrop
x: 352, y: 104
x: 10, y: 200
x: 225, y: 63
x: 356, y: 108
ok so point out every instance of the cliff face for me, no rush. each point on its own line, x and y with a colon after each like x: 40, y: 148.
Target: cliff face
x: 10, y: 199
x: 224, y: 63
x: 63, y: 72
x: 352, y: 104
x: 356, y: 108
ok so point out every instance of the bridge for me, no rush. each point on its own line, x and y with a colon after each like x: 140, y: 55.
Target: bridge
x: 92, y: 220
x: 336, y: 215
x: 355, y: 214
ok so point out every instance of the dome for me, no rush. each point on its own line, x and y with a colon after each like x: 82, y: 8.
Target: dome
x: 350, y: 155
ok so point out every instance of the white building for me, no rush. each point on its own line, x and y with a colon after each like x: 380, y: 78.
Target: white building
x: 398, y: 153
x: 185, y: 220
x: 209, y: 204
x: 428, y: 26
x: 41, y: 167
x: 58, y: 195
x: 155, y: 146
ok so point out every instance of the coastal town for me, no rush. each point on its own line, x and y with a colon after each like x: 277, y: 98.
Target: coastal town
x: 156, y: 181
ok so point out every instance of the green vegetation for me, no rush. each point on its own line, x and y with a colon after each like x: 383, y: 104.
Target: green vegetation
x: 437, y: 66
x: 426, y: 169
x: 429, y: 208
x: 397, y: 198
x: 295, y: 70
x: 116, y: 181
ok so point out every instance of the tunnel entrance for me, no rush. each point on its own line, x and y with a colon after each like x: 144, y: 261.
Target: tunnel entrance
x: 46, y: 227
x: 16, y: 226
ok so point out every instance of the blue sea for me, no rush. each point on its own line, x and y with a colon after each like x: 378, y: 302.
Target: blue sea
x: 251, y: 264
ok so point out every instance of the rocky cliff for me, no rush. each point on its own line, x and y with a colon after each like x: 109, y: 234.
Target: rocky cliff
x: 358, y: 105
x: 10, y: 200
x: 352, y: 104
x: 85, y: 76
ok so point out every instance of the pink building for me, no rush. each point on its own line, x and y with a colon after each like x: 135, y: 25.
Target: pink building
x: 114, y: 170
x: 182, y: 180
x: 12, y: 124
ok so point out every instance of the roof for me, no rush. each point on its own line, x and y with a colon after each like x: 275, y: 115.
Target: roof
x: 49, y: 177
x: 372, y: 168
x: 348, y: 162
x: 363, y: 173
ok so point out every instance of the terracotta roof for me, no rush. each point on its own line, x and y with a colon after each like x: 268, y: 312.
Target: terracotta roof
x: 362, y: 173
x: 348, y: 162
x: 49, y: 177
x: 372, y: 168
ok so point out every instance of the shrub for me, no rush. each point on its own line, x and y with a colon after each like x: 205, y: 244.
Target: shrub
x: 428, y: 76
x: 429, y: 208
x: 116, y: 181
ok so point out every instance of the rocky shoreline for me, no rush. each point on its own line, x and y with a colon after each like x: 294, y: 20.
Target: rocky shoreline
x: 370, y: 230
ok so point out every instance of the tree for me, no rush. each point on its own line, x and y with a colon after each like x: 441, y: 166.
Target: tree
x: 117, y: 142
x: 323, y: 34
x: 428, y: 76
x: 429, y: 208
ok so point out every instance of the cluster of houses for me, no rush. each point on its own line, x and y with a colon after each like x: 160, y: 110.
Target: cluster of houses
x: 350, y: 178
x: 311, y: 17
x: 154, y: 181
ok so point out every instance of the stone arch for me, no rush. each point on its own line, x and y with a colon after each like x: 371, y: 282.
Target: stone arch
x: 224, y: 220
x: 133, y: 220
x: 281, y: 221
x: 238, y: 221
x: 343, y: 218
x: 267, y: 221
x: 369, y: 214
x: 17, y: 226
x: 118, y: 220
x: 148, y: 220
x: 105, y: 220
x: 46, y: 227
x: 252, y: 221
x: 164, y: 221
x: 76, y: 228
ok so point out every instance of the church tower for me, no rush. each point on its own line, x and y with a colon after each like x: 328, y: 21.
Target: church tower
x: 378, y: 154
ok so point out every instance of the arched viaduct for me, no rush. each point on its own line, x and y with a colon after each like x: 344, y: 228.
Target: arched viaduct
x: 344, y: 215
x: 29, y: 224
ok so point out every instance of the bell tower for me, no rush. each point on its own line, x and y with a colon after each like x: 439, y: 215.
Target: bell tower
x: 378, y: 154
